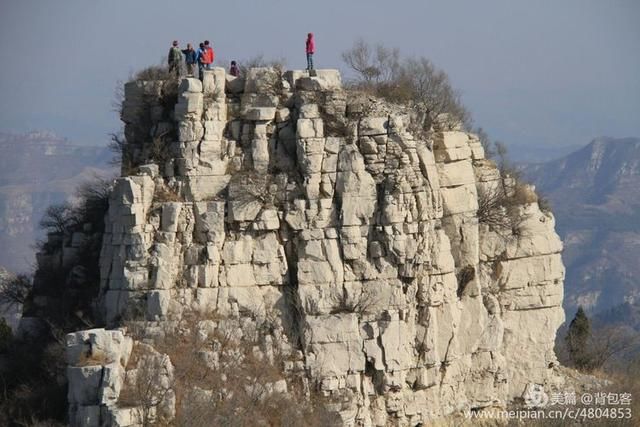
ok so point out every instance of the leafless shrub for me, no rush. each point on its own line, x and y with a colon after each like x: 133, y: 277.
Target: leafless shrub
x: 607, y: 343
x: 92, y: 199
x: 485, y: 141
x: 160, y: 150
x: 93, y: 202
x: 492, y: 208
x: 149, y: 386
x: 431, y: 91
x: 153, y: 72
x: 121, y: 155
x: 14, y: 291
x: 373, y: 64
x: 224, y: 375
x: 413, y: 81
x: 165, y: 194
x: 609, y: 348
x: 501, y: 152
x: 499, y: 206
x: 248, y: 186
x: 58, y: 218
x: 169, y: 96
x: 361, y: 304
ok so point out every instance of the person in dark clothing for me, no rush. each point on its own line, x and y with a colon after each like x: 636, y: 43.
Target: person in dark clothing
x: 234, y: 70
x: 199, y: 56
x: 190, y: 58
x: 175, y: 59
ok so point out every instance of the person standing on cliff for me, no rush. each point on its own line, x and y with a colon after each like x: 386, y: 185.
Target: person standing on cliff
x: 310, y: 49
x: 190, y: 59
x: 206, y: 55
x: 175, y: 59
x: 234, y: 70
x: 199, y: 57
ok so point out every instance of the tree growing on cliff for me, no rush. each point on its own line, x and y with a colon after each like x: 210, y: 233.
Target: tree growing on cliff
x: 577, y: 339
x: 485, y: 141
x: 372, y: 64
x: 15, y: 290
x: 413, y: 80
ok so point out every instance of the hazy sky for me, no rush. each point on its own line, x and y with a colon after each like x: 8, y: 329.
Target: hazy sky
x: 534, y: 71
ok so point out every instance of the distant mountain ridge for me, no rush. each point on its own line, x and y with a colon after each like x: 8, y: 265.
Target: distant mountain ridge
x: 595, y: 194
x: 37, y: 157
x: 531, y: 153
x: 38, y: 169
x: 602, y: 168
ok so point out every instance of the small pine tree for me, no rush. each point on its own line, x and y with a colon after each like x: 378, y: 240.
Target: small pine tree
x: 577, y: 340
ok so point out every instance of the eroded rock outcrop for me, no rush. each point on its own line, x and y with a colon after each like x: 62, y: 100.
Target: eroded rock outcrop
x: 282, y: 195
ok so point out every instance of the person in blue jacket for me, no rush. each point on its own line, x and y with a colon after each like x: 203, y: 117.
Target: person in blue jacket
x: 190, y: 58
x: 199, y: 57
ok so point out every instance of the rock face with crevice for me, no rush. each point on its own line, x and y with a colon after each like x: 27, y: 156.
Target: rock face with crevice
x: 285, y: 196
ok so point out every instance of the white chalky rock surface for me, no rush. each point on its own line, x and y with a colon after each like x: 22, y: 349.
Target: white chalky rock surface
x: 278, y: 193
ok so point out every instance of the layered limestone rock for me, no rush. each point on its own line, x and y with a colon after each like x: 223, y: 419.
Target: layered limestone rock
x: 282, y: 194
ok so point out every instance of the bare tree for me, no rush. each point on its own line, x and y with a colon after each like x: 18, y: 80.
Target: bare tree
x: 607, y: 343
x: 15, y: 290
x: 503, y: 160
x: 58, y: 218
x: 413, y: 80
x: 500, y: 205
x: 485, y: 141
x: 361, y: 303
x: 221, y: 378
x: 431, y: 90
x: 150, y: 385
x: 93, y: 202
x: 153, y: 72
x: 248, y: 186
x: 372, y: 63
x: 117, y: 145
x: 358, y: 58
x: 493, y: 209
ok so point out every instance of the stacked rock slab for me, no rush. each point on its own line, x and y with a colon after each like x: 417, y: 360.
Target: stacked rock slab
x: 293, y: 198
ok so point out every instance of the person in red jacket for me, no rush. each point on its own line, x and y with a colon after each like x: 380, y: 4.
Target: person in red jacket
x: 209, y: 55
x: 311, y: 49
x: 205, y: 57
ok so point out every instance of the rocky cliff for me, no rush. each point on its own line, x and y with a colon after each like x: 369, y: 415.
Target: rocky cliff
x: 350, y: 228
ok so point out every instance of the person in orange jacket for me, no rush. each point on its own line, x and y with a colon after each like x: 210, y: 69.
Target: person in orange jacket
x: 206, y: 55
